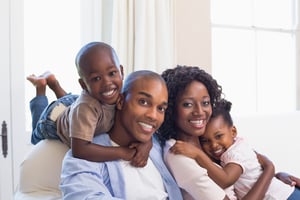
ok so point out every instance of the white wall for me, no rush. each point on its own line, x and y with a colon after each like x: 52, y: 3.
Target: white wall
x: 193, y: 33
x: 272, y: 135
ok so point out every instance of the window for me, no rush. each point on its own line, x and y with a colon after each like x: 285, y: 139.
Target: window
x: 51, y: 41
x: 254, y: 53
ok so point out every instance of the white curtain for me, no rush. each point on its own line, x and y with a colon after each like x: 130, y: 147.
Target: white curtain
x: 141, y: 31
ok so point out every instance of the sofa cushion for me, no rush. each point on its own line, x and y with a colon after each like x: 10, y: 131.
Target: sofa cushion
x: 40, y: 171
x: 275, y: 135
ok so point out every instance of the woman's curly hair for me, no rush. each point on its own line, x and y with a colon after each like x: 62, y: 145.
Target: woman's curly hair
x: 177, y: 79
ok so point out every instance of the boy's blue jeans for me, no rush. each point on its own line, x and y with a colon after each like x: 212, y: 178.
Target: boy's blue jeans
x: 43, y: 125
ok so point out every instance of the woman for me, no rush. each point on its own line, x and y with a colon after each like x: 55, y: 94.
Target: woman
x: 192, y: 95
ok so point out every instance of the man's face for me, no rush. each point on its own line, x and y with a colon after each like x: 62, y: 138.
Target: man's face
x: 143, y: 109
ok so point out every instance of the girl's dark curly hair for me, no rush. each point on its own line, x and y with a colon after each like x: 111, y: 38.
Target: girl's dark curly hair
x: 222, y: 108
x: 177, y: 79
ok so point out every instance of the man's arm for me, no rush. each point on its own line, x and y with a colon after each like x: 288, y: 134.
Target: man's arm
x: 288, y: 179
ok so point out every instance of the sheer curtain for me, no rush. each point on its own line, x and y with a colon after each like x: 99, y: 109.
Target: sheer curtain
x: 141, y: 31
x: 259, y: 51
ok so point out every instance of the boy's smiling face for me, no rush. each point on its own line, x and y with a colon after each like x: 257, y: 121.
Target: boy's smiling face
x: 101, y: 76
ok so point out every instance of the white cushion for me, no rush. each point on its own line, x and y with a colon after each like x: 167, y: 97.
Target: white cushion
x: 40, y: 171
x: 274, y: 135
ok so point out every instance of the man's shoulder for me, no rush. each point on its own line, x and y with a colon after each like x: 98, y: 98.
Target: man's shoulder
x: 102, y: 139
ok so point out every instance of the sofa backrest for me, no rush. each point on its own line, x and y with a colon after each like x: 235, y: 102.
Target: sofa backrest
x: 275, y: 135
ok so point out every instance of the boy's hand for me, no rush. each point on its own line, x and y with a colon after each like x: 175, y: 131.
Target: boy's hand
x: 127, y: 153
x: 142, y: 153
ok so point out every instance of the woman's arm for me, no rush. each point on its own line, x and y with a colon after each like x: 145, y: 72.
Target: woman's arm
x: 262, y: 184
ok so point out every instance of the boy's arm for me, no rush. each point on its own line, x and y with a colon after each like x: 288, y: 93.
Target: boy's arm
x: 93, y: 152
x: 224, y: 177
x: 262, y: 184
x: 84, y: 118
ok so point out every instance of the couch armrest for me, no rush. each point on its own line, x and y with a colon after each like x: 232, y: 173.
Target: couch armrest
x: 40, y: 171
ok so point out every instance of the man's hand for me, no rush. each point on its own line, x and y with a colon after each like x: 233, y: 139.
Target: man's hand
x: 288, y: 179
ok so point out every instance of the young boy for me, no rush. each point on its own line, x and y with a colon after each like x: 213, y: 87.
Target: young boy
x: 76, y: 119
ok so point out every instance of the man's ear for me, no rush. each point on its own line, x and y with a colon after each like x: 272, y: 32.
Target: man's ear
x: 82, y: 84
x: 120, y: 102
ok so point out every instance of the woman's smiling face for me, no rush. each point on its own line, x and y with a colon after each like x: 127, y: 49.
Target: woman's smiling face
x: 193, y: 110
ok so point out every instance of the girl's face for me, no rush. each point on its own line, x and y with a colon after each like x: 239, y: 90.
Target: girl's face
x: 193, y: 110
x: 218, y: 137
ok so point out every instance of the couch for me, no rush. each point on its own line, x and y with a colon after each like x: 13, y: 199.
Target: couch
x: 40, y: 172
x: 276, y: 136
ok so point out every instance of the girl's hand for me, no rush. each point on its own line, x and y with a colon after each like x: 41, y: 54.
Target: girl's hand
x: 185, y: 148
x: 142, y: 153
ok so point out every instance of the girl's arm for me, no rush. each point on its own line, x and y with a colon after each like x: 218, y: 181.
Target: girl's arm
x: 224, y: 177
x: 262, y: 184
x: 192, y: 178
x: 258, y: 190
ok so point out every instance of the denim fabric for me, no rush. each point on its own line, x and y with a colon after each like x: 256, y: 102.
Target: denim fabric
x: 295, y: 195
x: 42, y: 126
x: 37, y: 106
